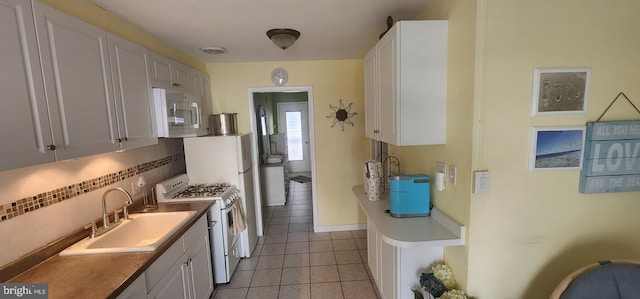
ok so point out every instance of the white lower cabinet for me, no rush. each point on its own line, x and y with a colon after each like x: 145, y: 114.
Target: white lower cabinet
x: 172, y: 285
x: 396, y: 270
x: 382, y: 259
x: 137, y: 289
x: 273, y: 184
x: 198, y: 267
x: 373, y: 239
x: 184, y: 270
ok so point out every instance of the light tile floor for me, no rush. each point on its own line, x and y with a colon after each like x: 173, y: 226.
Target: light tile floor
x: 292, y: 262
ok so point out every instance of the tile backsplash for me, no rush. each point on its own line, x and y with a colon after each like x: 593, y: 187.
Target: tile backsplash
x: 44, y: 199
x: 42, y: 203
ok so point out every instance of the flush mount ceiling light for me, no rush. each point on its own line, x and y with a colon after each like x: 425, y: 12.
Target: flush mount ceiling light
x: 283, y: 38
x: 213, y: 50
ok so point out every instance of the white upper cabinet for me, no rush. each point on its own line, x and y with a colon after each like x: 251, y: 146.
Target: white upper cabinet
x: 78, y: 84
x: 130, y: 65
x: 169, y: 74
x: 406, y: 84
x: 82, y: 92
x: 25, y: 129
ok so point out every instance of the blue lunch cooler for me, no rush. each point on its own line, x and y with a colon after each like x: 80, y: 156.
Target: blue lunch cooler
x: 410, y: 195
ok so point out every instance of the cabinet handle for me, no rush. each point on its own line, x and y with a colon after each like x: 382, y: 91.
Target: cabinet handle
x: 376, y: 131
x: 51, y: 147
x: 176, y: 84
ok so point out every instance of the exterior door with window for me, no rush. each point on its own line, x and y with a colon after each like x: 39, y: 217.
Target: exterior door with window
x: 293, y: 119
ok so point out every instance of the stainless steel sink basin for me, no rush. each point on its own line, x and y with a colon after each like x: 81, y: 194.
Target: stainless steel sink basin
x: 143, y: 232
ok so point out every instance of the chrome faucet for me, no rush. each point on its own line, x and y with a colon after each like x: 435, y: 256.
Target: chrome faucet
x: 105, y: 217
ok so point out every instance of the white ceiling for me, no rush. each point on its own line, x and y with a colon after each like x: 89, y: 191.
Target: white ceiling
x: 330, y: 29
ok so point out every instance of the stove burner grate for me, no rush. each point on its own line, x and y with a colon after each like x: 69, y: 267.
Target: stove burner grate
x: 204, y: 190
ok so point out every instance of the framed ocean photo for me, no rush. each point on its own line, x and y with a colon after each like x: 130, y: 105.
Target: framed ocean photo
x: 556, y: 148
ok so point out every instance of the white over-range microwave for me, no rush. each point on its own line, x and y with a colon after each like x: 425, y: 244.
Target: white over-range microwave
x: 178, y: 114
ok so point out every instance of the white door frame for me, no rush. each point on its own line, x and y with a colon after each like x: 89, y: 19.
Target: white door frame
x: 312, y: 151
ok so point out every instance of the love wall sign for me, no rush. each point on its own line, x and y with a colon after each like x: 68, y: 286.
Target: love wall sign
x: 611, y: 160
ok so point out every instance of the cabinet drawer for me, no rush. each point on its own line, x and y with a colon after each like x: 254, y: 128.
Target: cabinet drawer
x: 195, y: 232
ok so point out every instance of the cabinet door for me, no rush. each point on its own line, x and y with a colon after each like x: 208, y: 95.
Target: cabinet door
x: 197, y: 83
x: 387, y: 95
x: 24, y: 108
x: 172, y: 285
x: 206, y: 104
x: 371, y: 94
x: 78, y: 84
x: 130, y: 65
x: 181, y: 77
x: 200, y: 272
x: 388, y: 270
x: 161, y: 74
x: 136, y: 290
x: 373, y: 254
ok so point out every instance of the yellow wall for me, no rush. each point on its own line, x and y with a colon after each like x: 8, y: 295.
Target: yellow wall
x: 339, y: 154
x: 95, y: 15
x: 534, y: 228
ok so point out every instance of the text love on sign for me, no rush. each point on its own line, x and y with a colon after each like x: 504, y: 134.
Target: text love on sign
x: 611, y: 158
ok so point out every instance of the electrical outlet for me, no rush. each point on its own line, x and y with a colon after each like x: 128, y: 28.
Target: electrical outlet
x: 137, y: 186
x: 481, y: 182
x: 453, y: 171
x: 135, y: 189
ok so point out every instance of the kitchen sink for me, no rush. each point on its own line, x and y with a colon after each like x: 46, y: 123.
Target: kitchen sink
x: 143, y: 232
x: 274, y: 159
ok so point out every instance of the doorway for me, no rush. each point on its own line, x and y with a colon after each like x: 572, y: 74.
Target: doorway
x: 270, y: 110
x: 293, y: 121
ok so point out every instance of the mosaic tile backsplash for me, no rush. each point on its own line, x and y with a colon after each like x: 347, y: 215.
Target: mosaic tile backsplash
x: 32, y: 203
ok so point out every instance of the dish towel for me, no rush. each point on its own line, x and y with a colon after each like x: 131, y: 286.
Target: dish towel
x: 238, y: 219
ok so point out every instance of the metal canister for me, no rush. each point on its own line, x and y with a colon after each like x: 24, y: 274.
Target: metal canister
x: 224, y: 123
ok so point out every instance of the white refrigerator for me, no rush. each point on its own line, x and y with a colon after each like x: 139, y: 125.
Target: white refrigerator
x: 213, y: 159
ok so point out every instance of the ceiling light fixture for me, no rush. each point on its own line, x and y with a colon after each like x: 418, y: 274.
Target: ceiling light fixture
x: 283, y: 38
x: 213, y: 50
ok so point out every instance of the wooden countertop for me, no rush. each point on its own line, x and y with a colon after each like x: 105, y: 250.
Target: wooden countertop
x: 435, y: 230
x: 104, y: 275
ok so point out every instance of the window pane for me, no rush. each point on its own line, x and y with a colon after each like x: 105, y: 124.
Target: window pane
x: 294, y: 135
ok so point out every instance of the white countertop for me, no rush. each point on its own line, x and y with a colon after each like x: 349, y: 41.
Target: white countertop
x: 435, y: 230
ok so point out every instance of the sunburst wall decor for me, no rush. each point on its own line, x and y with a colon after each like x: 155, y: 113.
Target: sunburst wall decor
x: 341, y: 115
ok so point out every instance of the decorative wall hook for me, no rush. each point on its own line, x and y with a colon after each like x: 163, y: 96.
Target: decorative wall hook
x: 341, y: 115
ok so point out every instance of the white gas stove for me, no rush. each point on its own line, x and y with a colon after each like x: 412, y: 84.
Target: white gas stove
x: 177, y: 189
x: 225, y: 248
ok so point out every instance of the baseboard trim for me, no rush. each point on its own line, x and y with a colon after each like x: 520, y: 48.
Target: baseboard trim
x: 339, y: 228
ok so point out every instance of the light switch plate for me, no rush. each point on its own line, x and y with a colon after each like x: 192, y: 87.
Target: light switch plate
x: 481, y: 182
x: 453, y: 171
